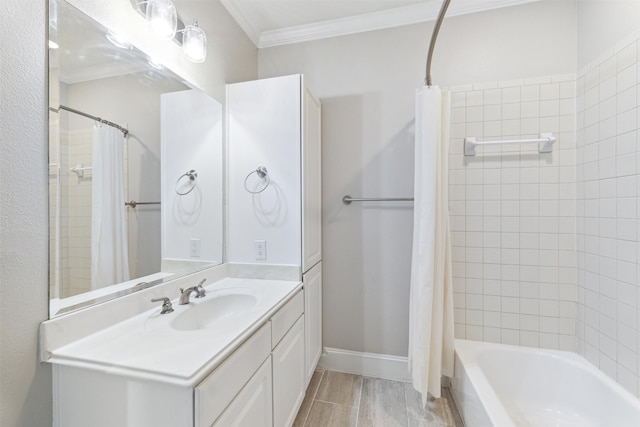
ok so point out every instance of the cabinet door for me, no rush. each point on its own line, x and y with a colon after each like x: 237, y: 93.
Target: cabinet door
x: 263, y: 129
x: 312, y: 318
x: 219, y: 389
x: 288, y: 375
x: 311, y: 180
x: 252, y: 406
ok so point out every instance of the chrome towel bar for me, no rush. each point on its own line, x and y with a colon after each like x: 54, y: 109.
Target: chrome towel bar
x: 133, y: 203
x: 348, y: 199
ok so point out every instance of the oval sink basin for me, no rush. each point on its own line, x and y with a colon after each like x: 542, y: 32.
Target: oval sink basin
x: 215, y: 309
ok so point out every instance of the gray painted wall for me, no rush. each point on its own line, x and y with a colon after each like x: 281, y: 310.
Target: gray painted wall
x: 367, y: 83
x: 602, y: 24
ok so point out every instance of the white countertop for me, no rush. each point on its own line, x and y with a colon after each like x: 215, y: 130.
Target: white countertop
x: 147, y: 346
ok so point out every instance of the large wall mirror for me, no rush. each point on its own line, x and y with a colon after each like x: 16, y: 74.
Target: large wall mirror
x: 135, y: 201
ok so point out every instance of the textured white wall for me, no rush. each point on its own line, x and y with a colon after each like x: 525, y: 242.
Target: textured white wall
x: 25, y: 385
x: 366, y: 83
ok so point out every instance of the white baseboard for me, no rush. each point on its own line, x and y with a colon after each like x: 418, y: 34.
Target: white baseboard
x: 366, y: 364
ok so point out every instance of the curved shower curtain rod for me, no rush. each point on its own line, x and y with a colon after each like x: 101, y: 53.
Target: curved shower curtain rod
x: 124, y: 130
x: 434, y: 36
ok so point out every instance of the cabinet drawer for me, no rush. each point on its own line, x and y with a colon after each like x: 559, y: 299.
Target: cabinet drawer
x: 216, y: 391
x: 253, y: 406
x: 286, y: 317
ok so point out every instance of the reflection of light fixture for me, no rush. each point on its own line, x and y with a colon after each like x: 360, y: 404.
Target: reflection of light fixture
x: 162, y: 18
x: 53, y: 45
x: 194, y: 42
x: 118, y: 41
x: 155, y: 65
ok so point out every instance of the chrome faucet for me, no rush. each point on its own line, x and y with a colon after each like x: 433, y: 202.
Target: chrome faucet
x: 201, y: 289
x: 166, y: 304
x: 185, y: 293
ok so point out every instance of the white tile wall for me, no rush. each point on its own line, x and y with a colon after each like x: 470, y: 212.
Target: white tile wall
x: 513, y: 214
x: 608, y: 213
x: 54, y: 190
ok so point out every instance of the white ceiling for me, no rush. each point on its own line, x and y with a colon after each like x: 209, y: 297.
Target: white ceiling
x: 277, y: 22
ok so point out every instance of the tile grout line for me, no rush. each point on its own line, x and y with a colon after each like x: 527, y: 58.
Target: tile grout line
x: 406, y: 402
x: 359, y: 400
x: 334, y: 403
x: 313, y: 399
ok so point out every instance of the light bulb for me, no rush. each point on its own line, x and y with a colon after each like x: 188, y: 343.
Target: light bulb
x: 194, y: 43
x: 162, y: 18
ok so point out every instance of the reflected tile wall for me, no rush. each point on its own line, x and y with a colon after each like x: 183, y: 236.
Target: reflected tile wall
x: 77, y: 215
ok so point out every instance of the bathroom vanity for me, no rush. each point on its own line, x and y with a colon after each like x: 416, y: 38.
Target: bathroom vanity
x: 244, y: 353
x: 237, y: 356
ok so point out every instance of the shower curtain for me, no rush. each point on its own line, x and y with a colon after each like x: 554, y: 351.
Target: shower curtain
x: 109, y: 247
x: 431, y: 302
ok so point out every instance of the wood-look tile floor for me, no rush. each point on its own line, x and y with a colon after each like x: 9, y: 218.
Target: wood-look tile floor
x: 336, y: 399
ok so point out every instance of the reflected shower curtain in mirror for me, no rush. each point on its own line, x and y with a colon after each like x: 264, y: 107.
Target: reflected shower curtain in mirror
x: 431, y: 301
x: 109, y: 247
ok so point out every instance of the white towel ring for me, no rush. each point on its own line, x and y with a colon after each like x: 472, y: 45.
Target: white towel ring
x: 193, y: 176
x: 263, y: 174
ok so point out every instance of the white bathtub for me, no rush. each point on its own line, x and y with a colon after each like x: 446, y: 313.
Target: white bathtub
x: 506, y: 386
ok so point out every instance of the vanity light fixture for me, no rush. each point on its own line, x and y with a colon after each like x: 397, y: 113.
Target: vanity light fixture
x: 164, y: 22
x: 194, y: 42
x: 162, y: 18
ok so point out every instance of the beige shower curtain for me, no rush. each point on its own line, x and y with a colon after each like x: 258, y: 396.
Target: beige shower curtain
x: 431, y: 337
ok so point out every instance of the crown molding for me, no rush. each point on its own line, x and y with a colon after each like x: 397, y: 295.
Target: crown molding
x: 239, y: 12
x: 422, y: 12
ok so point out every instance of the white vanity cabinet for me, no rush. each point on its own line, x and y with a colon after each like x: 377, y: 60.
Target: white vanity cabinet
x: 248, y: 390
x: 260, y: 384
x: 219, y: 389
x: 311, y: 179
x: 312, y: 281
x: 276, y: 123
x: 253, y: 405
x: 288, y: 375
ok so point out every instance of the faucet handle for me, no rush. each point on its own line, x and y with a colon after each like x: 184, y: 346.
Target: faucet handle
x: 201, y: 291
x: 167, y: 307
